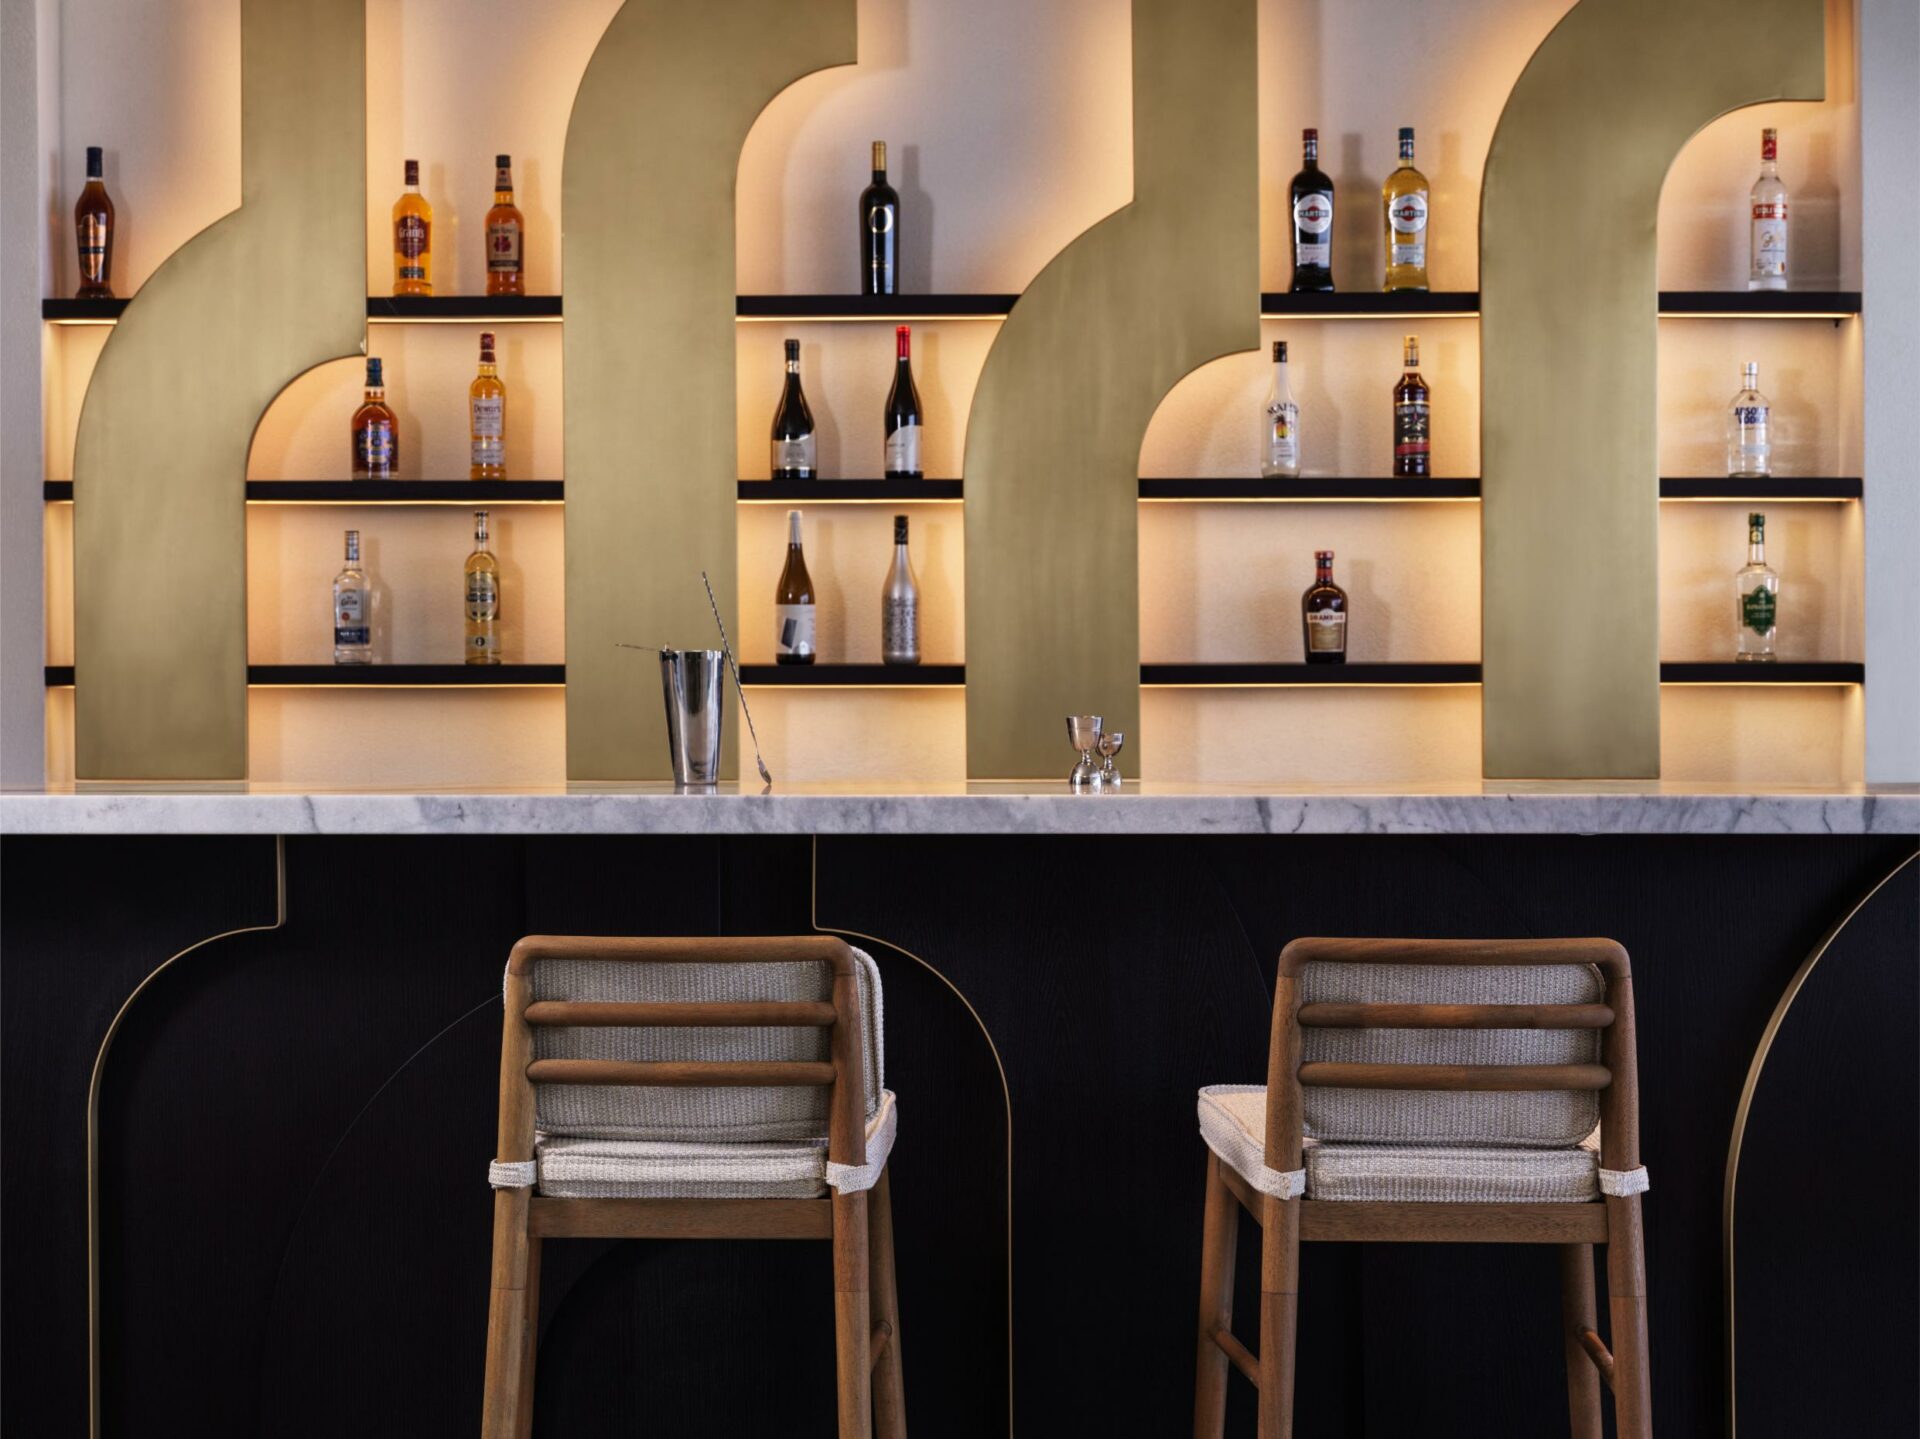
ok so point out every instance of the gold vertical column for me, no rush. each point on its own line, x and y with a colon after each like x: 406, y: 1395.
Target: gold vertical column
x: 1569, y: 362
x: 160, y: 463
x: 648, y: 257
x: 1104, y: 331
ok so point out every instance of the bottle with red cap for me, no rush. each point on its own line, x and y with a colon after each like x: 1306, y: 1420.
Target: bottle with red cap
x: 903, y: 412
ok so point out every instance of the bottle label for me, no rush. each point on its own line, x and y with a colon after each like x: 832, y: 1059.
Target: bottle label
x: 488, y: 426
x: 900, y: 628
x: 1283, y: 437
x: 410, y: 245
x: 349, y: 618
x: 879, y: 219
x: 793, y: 629
x: 1757, y: 610
x: 349, y: 636
x: 794, y: 456
x: 1408, y: 214
x: 93, y: 249
x: 503, y: 248
x: 1327, y: 631
x: 375, y: 451
x: 903, y: 450
x: 483, y: 597
x: 1413, y: 254
x: 1411, y: 419
x: 1770, y: 241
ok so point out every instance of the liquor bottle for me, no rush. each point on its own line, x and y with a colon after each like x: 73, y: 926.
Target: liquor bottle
x: 903, y: 412
x: 1323, y: 614
x: 1404, y: 198
x: 376, y: 438
x: 1749, y: 447
x: 1756, y: 598
x: 793, y: 631
x: 1280, y: 431
x: 879, y: 230
x: 506, y: 235
x: 352, y: 631
x: 793, y: 425
x: 483, y: 598
x: 487, y: 418
x: 1312, y: 195
x: 93, y: 224
x: 1412, y: 418
x: 1767, y: 269
x: 412, y: 238
x: 900, y: 604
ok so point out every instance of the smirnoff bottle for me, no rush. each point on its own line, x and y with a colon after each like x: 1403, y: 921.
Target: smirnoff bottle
x: 352, y: 628
x: 1280, y: 429
x: 1749, y: 446
x: 1756, y: 598
x: 1767, y: 270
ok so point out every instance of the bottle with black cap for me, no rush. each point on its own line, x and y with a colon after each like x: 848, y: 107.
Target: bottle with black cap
x: 93, y: 224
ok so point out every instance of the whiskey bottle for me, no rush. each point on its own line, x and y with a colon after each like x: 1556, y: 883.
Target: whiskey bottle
x: 483, y: 598
x: 1749, y: 447
x: 412, y: 238
x: 1767, y: 268
x: 1312, y: 196
x: 1323, y: 614
x: 1412, y: 418
x: 793, y: 425
x: 487, y: 418
x: 352, y: 629
x: 376, y: 438
x: 506, y: 235
x: 903, y: 412
x: 93, y: 226
x: 1404, y: 198
x: 879, y: 230
x: 793, y: 614
x: 1756, y: 598
x: 1280, y: 428
x: 900, y: 604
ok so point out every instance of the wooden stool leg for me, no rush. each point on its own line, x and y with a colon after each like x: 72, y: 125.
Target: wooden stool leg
x: 889, y: 1392
x: 853, y: 1336
x: 1627, y: 1307
x: 1219, y: 1238
x: 1577, y: 1314
x: 513, y: 1318
x: 1279, y: 1300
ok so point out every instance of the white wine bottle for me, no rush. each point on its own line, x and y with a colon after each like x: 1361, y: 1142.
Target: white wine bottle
x: 900, y: 604
x: 793, y: 611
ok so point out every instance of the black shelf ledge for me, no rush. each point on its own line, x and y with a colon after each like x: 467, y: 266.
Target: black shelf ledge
x: 857, y: 676
x: 1312, y: 487
x: 463, y: 307
x: 1367, y: 304
x: 873, y: 307
x: 380, y: 676
x: 1719, y: 487
x: 1777, y: 673
x: 1247, y: 675
x: 800, y: 492
x: 1786, y: 304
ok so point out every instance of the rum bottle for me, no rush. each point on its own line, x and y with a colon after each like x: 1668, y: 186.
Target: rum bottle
x: 483, y: 598
x: 487, y: 418
x: 506, y: 234
x: 879, y: 230
x: 793, y: 425
x: 1412, y: 418
x: 1280, y: 428
x: 352, y: 628
x: 1767, y: 267
x: 900, y: 604
x: 93, y: 226
x: 1756, y: 598
x: 1323, y: 614
x: 376, y: 438
x: 1404, y: 198
x: 1312, y: 197
x: 412, y: 238
x: 793, y: 611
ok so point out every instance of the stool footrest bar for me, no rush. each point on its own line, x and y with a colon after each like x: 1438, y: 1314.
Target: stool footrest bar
x: 1237, y: 1352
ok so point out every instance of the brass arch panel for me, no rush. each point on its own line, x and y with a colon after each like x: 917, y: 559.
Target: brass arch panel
x: 647, y: 199
x: 160, y: 463
x: 1161, y: 286
x: 1568, y: 352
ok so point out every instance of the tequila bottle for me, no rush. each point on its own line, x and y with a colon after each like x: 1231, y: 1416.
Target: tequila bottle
x: 352, y: 625
x: 1756, y: 598
x: 1280, y: 431
x: 483, y: 598
x: 1749, y: 446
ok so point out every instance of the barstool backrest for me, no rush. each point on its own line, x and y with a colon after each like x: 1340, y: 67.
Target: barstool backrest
x: 592, y: 1002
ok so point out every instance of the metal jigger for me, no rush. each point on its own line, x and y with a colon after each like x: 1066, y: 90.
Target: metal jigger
x: 1109, y: 745
x: 1084, y: 732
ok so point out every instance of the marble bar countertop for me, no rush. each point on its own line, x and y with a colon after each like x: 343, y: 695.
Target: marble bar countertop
x: 983, y: 808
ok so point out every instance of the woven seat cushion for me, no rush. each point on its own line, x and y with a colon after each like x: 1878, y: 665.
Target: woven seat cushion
x: 587, y: 1168
x: 1233, y: 1121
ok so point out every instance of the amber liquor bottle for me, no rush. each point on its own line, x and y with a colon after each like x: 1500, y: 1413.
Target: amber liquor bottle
x: 412, y: 238
x: 93, y: 226
x: 376, y: 438
x: 483, y: 598
x: 487, y: 418
x: 1403, y: 198
x: 506, y: 254
x: 1412, y: 419
x: 1323, y: 614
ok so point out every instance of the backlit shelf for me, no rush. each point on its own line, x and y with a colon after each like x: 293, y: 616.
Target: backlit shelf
x: 1771, y: 490
x: 1368, y: 304
x: 843, y: 492
x: 379, y: 676
x: 1777, y: 673
x: 1746, y: 304
x: 380, y: 492
x: 1256, y: 676
x: 1307, y: 489
x: 819, y: 676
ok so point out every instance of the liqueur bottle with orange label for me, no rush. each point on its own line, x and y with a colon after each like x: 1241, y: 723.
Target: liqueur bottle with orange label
x: 412, y: 238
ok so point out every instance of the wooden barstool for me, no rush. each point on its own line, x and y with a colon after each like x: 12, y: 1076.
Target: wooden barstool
x: 695, y: 1089
x: 1435, y: 1090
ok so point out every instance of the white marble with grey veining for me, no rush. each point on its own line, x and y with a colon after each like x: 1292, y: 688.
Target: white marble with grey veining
x: 1153, y: 808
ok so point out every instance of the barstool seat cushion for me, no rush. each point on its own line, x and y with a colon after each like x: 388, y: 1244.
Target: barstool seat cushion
x: 1233, y: 1121
x: 573, y: 1167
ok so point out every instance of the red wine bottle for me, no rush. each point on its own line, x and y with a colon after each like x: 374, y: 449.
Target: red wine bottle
x: 879, y: 230
x: 793, y: 448
x: 903, y: 413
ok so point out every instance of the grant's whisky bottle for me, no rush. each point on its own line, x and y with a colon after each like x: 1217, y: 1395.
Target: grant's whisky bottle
x: 376, y: 438
x: 1404, y: 197
x: 1412, y: 418
x: 93, y: 227
x: 506, y: 260
x: 483, y: 598
x: 412, y: 238
x: 1323, y: 614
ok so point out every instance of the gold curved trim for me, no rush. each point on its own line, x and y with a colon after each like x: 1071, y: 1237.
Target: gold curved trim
x: 1767, y: 1036
x: 813, y: 907
x: 93, y: 1121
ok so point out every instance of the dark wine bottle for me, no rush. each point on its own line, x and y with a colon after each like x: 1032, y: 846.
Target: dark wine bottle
x: 793, y: 425
x: 793, y: 631
x: 879, y: 230
x: 1323, y: 614
x: 1312, y: 195
x: 903, y: 413
x: 93, y: 225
